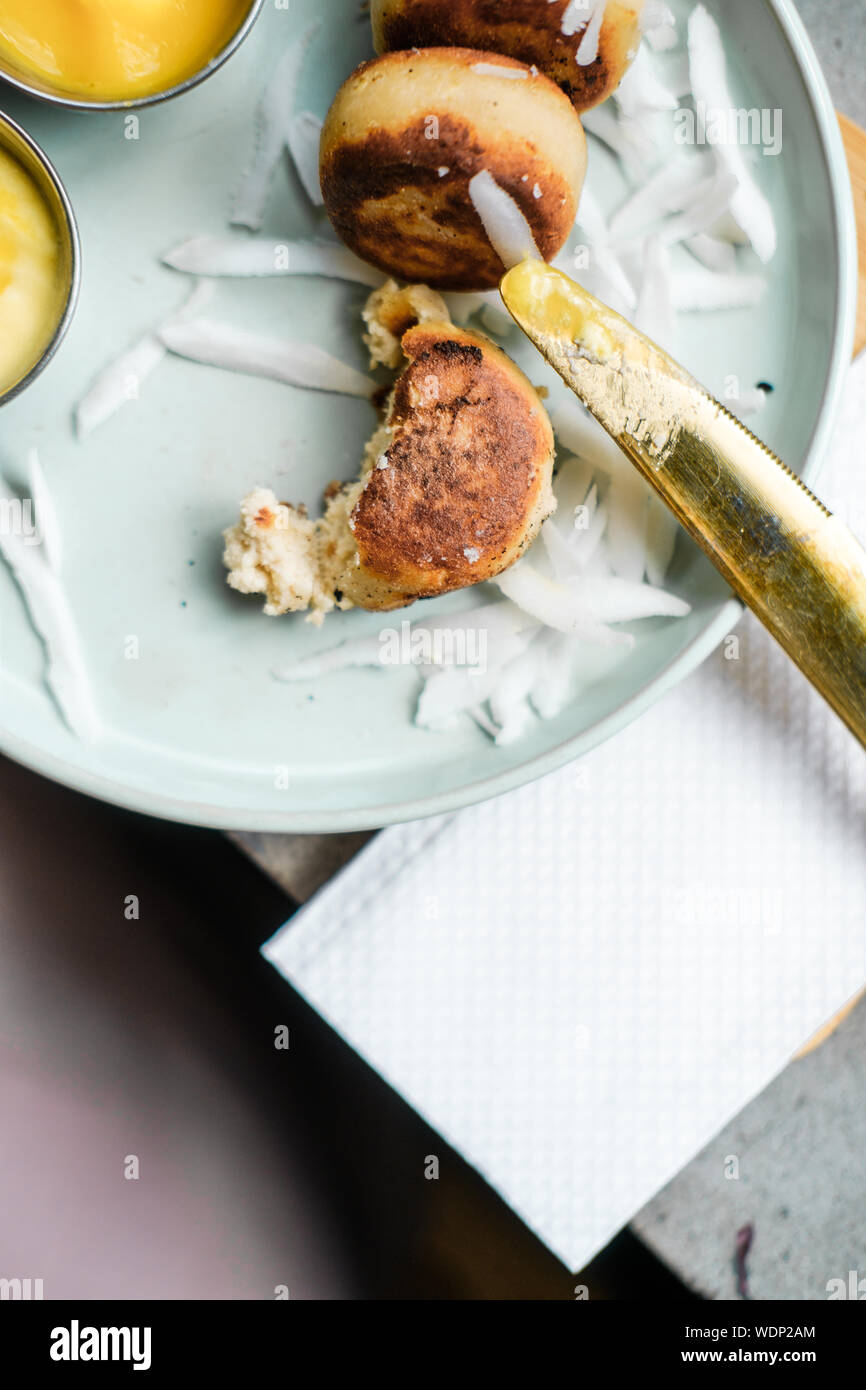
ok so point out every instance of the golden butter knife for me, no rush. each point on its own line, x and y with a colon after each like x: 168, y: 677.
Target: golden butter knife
x: 798, y: 567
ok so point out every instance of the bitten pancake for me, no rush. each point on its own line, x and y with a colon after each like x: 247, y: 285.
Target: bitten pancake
x: 406, y: 134
x: 531, y: 30
x: 465, y: 481
x: 454, y: 486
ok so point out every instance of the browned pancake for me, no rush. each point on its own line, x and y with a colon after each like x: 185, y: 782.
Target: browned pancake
x: 526, y: 29
x: 454, y: 485
x: 407, y: 133
x: 466, y: 479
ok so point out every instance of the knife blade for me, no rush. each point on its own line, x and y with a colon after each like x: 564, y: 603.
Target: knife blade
x: 795, y: 564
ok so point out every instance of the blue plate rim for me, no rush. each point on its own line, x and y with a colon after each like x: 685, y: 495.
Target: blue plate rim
x: 206, y: 814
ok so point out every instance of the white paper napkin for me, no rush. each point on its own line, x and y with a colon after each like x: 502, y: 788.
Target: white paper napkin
x: 578, y: 984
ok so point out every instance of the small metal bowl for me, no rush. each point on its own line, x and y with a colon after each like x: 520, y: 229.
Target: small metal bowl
x: 43, y: 91
x: 17, y: 143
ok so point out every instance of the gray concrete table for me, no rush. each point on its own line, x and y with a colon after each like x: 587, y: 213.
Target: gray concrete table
x: 791, y: 1164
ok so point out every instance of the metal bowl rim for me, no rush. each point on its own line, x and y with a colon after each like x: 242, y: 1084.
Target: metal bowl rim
x: 74, y: 242
x: 152, y: 99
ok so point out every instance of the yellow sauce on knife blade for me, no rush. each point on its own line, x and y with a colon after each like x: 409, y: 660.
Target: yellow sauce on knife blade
x: 114, y: 50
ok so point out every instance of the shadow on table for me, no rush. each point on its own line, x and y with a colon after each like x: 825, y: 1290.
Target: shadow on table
x: 308, y: 1161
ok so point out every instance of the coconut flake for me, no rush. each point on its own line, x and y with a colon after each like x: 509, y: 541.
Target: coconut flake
x: 507, y: 229
x: 559, y: 552
x: 655, y: 311
x: 572, y: 484
x: 118, y: 383
x: 581, y: 434
x: 304, y: 135
x: 121, y: 380
x: 47, y: 521
x: 498, y: 70
x: 704, y: 290
x: 296, y: 363
x: 626, y: 539
x: 658, y: 24
x: 661, y: 537
x: 253, y: 256
x: 711, y: 252
x: 616, y: 600
x: 356, y: 651
x: 749, y: 403
x: 273, y: 119
x: 53, y: 620
x: 509, y: 698
x: 555, y: 655
x: 556, y: 605
x: 604, y: 276
x: 708, y: 68
x: 588, y: 49
x: 630, y: 140
x: 711, y: 199
x: 453, y: 691
x: 586, y: 542
x: 669, y: 190
x: 642, y: 90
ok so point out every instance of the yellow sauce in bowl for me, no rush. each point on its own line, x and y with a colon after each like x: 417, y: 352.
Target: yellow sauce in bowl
x: 114, y: 50
x: 32, y: 283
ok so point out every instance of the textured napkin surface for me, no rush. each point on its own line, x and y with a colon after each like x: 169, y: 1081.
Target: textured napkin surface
x: 579, y: 983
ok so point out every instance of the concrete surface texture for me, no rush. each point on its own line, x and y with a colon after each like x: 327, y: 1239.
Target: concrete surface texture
x: 837, y: 29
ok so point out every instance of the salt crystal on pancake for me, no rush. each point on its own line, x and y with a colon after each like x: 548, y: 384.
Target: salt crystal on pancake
x: 708, y: 67
x: 272, y: 129
x: 121, y: 380
x: 253, y: 256
x: 53, y: 620
x: 303, y: 136
x: 507, y: 229
x: 296, y: 363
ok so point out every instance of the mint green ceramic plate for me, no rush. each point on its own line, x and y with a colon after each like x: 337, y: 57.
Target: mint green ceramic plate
x: 196, y: 728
